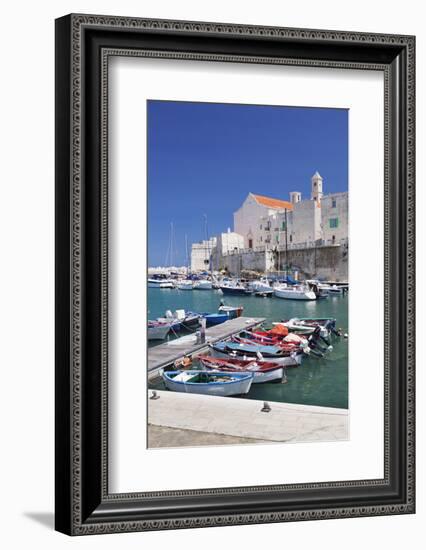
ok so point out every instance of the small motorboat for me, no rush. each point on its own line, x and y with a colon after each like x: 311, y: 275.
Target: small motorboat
x: 308, y: 325
x: 232, y: 311
x: 264, y: 371
x: 208, y: 383
x: 295, y: 292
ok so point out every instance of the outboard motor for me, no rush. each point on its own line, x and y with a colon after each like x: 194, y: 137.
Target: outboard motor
x: 314, y: 340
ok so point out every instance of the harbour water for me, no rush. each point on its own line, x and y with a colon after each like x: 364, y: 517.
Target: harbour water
x: 321, y: 382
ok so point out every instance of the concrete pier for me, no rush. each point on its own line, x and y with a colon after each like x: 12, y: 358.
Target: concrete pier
x: 167, y: 353
x: 180, y: 419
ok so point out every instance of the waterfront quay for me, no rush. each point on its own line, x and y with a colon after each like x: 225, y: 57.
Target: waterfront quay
x: 179, y: 419
x: 166, y: 354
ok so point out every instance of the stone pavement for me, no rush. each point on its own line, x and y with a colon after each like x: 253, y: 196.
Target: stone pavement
x: 242, y: 418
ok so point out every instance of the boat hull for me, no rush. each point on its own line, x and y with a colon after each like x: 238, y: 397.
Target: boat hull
x: 216, y: 318
x: 162, y: 284
x: 294, y: 360
x: 234, y: 291
x: 231, y: 312
x: 260, y: 377
x: 158, y: 332
x: 238, y: 384
x: 203, y: 285
x: 289, y: 294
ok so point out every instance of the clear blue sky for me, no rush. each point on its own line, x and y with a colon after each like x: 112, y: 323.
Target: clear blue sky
x: 204, y: 158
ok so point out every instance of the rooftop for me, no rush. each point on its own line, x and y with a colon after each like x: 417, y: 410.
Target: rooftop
x: 273, y: 203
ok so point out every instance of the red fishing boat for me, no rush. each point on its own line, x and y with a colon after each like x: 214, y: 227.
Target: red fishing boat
x: 264, y: 371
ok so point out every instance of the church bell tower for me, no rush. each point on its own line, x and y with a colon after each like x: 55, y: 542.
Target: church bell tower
x: 316, y: 190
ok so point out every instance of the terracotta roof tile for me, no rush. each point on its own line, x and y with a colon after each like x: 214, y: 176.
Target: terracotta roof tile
x: 273, y: 203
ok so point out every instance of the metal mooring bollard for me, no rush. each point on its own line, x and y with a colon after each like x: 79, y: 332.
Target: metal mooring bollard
x: 154, y: 395
x: 266, y: 408
x: 203, y: 330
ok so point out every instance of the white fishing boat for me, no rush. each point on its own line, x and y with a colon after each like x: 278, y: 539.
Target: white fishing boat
x: 203, y: 284
x: 160, y: 283
x: 297, y: 292
x: 220, y: 384
x: 184, y: 284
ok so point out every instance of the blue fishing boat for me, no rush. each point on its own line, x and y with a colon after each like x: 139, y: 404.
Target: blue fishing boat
x: 215, y: 318
x: 220, y: 384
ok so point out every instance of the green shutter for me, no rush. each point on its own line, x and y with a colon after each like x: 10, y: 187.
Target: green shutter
x: 334, y: 222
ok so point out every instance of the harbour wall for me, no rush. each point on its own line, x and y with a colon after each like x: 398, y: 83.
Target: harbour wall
x: 328, y: 262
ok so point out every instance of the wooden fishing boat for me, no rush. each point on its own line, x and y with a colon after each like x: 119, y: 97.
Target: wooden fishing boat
x: 285, y: 346
x: 264, y: 371
x: 290, y: 345
x: 208, y: 383
x: 234, y: 350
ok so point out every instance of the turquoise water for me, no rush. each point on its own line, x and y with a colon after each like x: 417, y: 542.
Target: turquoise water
x: 322, y: 382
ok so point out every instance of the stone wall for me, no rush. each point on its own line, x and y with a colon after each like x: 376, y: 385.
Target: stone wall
x: 329, y: 262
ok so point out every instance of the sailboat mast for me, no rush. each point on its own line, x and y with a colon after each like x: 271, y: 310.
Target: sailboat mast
x: 187, y: 256
x: 207, y: 240
x: 286, y: 245
x: 171, y: 244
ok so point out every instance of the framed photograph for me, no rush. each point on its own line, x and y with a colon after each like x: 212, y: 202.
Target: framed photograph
x: 234, y: 274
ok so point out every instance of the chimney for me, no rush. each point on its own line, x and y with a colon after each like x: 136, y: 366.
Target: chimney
x: 295, y: 196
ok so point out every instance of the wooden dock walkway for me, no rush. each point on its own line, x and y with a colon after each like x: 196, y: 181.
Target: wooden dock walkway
x: 167, y: 353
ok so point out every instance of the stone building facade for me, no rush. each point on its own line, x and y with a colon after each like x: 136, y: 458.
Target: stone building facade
x: 201, y: 253
x: 267, y: 223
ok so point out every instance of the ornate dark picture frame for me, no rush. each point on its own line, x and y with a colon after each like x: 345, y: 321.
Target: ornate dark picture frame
x: 84, y: 44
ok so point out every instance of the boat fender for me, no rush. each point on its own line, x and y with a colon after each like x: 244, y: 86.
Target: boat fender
x: 346, y: 335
